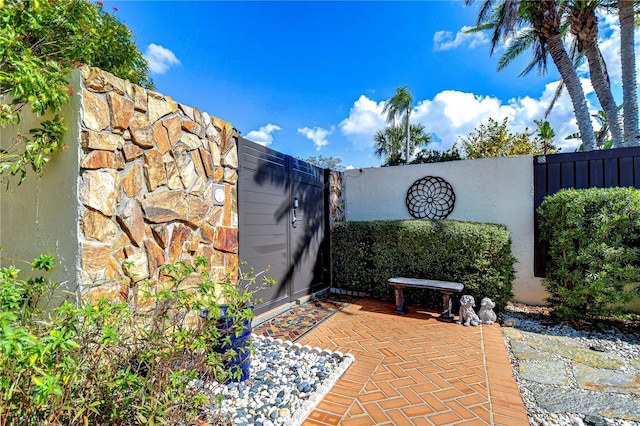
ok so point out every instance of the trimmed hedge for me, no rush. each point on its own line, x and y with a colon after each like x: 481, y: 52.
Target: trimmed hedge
x: 593, y: 238
x: 367, y: 254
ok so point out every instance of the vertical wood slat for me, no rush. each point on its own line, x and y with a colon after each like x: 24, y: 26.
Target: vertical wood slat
x: 636, y: 172
x: 580, y: 170
x: 582, y: 174
x: 596, y: 174
x: 567, y: 175
x: 611, y: 173
x: 626, y: 172
x: 539, y: 192
x: 553, y: 178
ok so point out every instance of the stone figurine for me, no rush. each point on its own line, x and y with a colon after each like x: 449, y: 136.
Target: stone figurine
x: 486, y: 314
x: 467, y: 314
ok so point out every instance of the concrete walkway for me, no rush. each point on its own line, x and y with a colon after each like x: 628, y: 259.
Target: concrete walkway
x: 415, y: 370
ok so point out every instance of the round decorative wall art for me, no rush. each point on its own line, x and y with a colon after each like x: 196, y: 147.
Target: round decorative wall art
x: 430, y: 198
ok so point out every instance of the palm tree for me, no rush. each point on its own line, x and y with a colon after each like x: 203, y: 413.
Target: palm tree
x: 389, y: 142
x: 584, y: 26
x: 399, y: 107
x: 628, y: 61
x: 536, y: 24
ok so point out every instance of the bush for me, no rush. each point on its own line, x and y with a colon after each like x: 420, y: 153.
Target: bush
x: 367, y: 254
x: 593, y: 257
x: 104, y: 362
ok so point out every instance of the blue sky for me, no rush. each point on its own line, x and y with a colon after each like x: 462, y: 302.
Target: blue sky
x: 310, y: 78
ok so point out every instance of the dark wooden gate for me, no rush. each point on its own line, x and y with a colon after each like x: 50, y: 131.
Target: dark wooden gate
x: 282, y: 221
x: 592, y: 169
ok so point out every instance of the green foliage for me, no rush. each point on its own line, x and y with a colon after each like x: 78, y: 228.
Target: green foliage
x: 367, y: 254
x: 593, y: 239
x: 390, y: 143
x: 40, y: 43
x: 433, y: 156
x: 494, y: 140
x: 546, y: 135
x: 104, y: 362
x: 38, y: 148
x: 333, y: 163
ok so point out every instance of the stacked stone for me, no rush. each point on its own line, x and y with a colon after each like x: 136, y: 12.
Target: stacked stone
x: 336, y: 198
x: 148, y: 169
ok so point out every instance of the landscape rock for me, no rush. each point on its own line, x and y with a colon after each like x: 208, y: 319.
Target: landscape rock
x: 174, y: 130
x: 101, y: 81
x: 131, y: 152
x: 179, y: 235
x: 137, y: 265
x: 164, y: 206
x: 154, y: 169
x: 226, y: 240
x: 158, y: 108
x: 97, y: 159
x: 230, y: 159
x: 97, y: 226
x: 101, y: 141
x: 98, y: 190
x: 121, y: 110
x: 131, y: 218
x: 132, y: 180
x: 95, y: 114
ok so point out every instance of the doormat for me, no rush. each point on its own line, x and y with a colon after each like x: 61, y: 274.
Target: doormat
x: 297, y: 321
x: 286, y: 382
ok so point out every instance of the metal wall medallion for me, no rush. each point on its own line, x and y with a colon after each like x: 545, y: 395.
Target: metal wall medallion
x: 430, y: 198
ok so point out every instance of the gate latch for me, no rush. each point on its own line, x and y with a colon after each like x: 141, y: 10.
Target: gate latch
x: 294, y: 219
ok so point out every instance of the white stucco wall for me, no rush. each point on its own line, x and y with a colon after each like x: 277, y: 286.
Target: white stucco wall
x: 493, y: 190
x: 40, y: 216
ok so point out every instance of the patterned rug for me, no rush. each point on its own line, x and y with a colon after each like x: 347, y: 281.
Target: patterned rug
x: 297, y: 321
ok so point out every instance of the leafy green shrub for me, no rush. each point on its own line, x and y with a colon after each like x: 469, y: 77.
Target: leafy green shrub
x: 367, y: 254
x: 40, y: 43
x: 593, y: 238
x: 105, y: 362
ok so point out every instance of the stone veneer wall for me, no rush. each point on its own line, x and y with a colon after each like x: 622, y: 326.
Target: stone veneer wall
x: 336, y: 198
x: 148, y: 167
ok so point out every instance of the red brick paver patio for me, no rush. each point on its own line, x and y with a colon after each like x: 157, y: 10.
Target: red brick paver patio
x: 415, y: 370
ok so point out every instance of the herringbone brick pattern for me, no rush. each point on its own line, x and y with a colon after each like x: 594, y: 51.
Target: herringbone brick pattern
x: 415, y: 370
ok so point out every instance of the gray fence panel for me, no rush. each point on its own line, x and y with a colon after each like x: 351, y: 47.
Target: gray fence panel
x: 269, y: 182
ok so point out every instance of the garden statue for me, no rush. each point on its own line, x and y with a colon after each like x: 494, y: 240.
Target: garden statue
x: 486, y: 314
x: 467, y: 314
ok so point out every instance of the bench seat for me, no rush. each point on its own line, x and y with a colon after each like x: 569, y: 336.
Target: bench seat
x: 447, y: 288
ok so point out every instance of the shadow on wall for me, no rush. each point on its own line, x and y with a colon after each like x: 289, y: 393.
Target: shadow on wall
x: 293, y: 197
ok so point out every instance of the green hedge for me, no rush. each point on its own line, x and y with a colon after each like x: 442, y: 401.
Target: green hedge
x: 593, y: 257
x: 367, y: 254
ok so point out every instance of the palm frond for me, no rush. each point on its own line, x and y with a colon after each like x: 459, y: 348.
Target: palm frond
x: 515, y: 48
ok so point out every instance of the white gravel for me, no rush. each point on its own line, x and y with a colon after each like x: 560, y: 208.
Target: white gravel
x: 286, y: 382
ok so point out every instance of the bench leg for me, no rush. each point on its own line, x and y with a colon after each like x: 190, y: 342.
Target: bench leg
x: 400, y: 309
x: 446, y: 307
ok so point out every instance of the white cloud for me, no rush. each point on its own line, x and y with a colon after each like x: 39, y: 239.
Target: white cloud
x: 451, y: 114
x: 445, y: 40
x: 264, y: 135
x: 318, y: 135
x: 159, y: 58
x: 365, y: 118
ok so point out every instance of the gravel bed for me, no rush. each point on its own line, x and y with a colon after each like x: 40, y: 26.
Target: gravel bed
x: 286, y: 382
x: 625, y: 345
